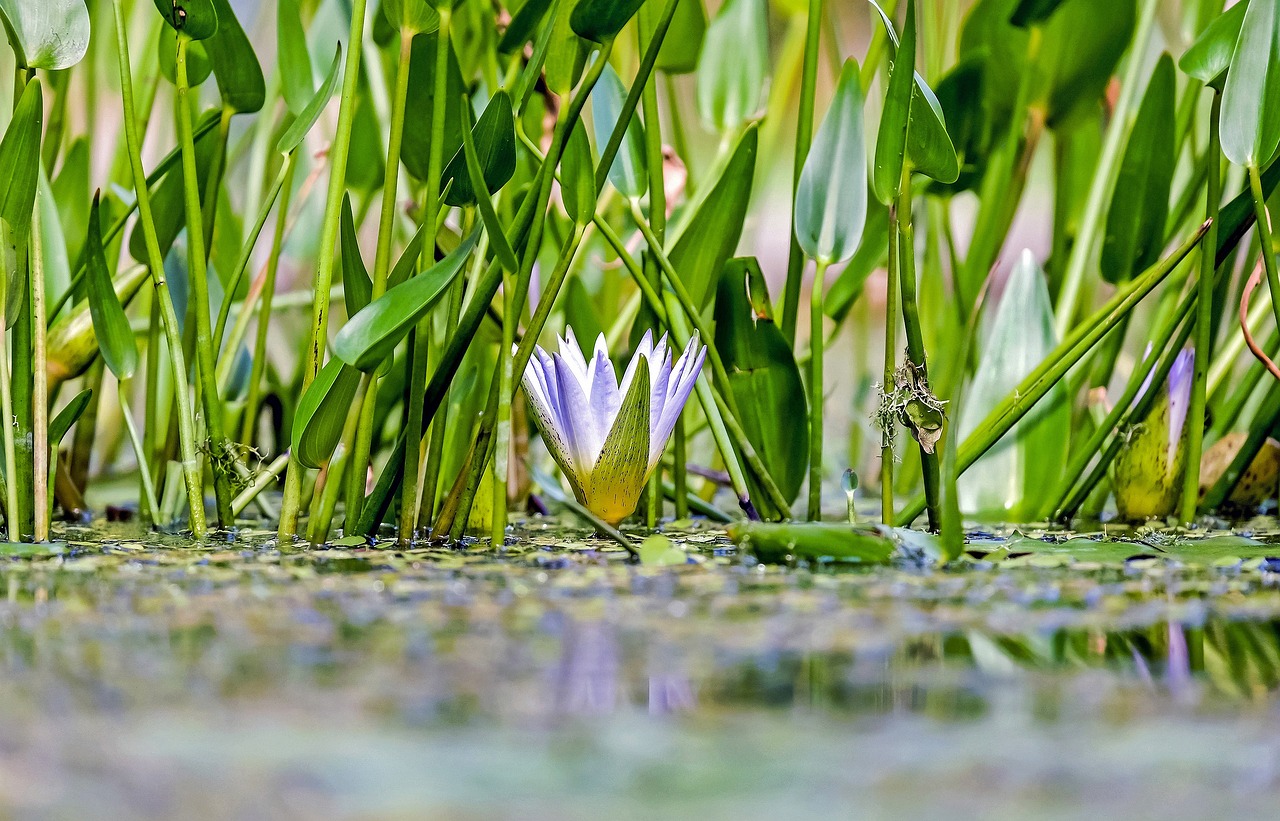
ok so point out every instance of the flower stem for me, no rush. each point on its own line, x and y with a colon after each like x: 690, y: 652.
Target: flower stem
x: 1204, y: 320
x: 144, y: 470
x: 815, y: 389
x: 1264, y: 239
x: 40, y: 387
x: 221, y: 455
x: 324, y: 265
x: 169, y: 320
x: 892, y: 290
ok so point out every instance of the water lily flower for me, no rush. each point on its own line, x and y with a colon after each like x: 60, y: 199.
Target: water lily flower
x: 608, y: 436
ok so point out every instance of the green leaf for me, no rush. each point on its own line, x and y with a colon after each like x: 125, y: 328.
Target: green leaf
x: 928, y: 144
x: 523, y: 25
x: 68, y: 416
x: 1250, y: 122
x: 709, y: 236
x: 871, y: 252
x: 960, y: 98
x: 110, y: 325
x: 659, y: 551
x: 53, y: 243
x: 416, y: 149
x: 493, y: 227
x: 1209, y: 56
x: 48, y: 34
x: 733, y: 68
x: 831, y: 199
x: 494, y: 136
x: 20, y: 160
x: 322, y: 411
x: 567, y: 54
x: 822, y: 541
x: 166, y: 201
x: 1006, y: 483
x: 578, y: 177
x: 370, y: 336
x: 1140, y: 205
x: 1033, y: 12
x: 357, y: 288
x: 679, y: 51
x: 297, y: 130
x: 417, y: 16
x: 628, y: 172
x: 198, y: 19
x: 70, y: 194
x: 293, y: 58
x: 764, y: 378
x: 408, y: 259
x: 601, y: 20
x: 235, y: 65
x: 891, y: 139
x: 199, y: 66
x: 613, y: 486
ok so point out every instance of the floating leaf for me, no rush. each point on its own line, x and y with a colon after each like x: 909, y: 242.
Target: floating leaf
x: 370, y: 336
x: 357, y: 288
x: 1250, y: 122
x: 198, y: 19
x: 627, y: 173
x: 764, y: 378
x: 700, y: 245
x: 823, y: 541
x: 235, y: 65
x: 1140, y: 205
x: 831, y: 199
x: 293, y: 58
x: 733, y: 68
x: 48, y: 34
x: 1209, y: 56
x: 20, y: 160
x: 891, y: 139
x: 110, y: 325
x: 1006, y: 482
x: 297, y: 130
x: 322, y: 411
x: 494, y: 136
x: 600, y: 20
x: 679, y: 51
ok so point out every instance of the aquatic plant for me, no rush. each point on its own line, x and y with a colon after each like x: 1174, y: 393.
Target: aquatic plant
x: 257, y: 302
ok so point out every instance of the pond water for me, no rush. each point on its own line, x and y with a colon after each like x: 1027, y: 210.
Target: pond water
x: 147, y: 680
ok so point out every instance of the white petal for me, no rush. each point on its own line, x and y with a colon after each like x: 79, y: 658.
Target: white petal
x: 604, y: 397
x: 659, y: 396
x: 571, y: 355
x: 683, y: 378
x: 585, y: 439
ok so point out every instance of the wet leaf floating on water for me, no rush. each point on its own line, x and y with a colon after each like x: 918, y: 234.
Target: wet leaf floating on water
x: 813, y: 541
x: 48, y: 34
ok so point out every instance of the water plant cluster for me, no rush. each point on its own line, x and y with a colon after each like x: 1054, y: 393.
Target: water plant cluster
x: 306, y: 278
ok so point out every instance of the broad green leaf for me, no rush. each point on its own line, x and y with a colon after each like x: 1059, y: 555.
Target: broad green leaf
x: 293, y: 58
x: 823, y: 541
x: 1006, y: 483
x: 764, y: 378
x: 416, y: 149
x: 733, y: 68
x: 370, y: 336
x: 601, y: 20
x: 110, y: 325
x: 417, y: 16
x: 891, y: 139
x: 322, y: 411
x: 48, y: 34
x: 198, y: 19
x: 523, y: 25
x: 310, y: 113
x: 628, y: 172
x: 1209, y: 56
x: 871, y: 253
x: 960, y: 98
x: 928, y: 144
x: 567, y: 53
x: 408, y: 260
x: 20, y: 160
x: 701, y: 244
x: 613, y: 486
x: 577, y: 177
x: 831, y: 199
x: 167, y: 204
x: 357, y: 288
x: 484, y: 202
x: 68, y: 416
x: 679, y: 51
x: 494, y: 135
x: 1250, y: 122
x: 1135, y: 222
x: 72, y: 344
x: 199, y: 66
x: 235, y: 65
